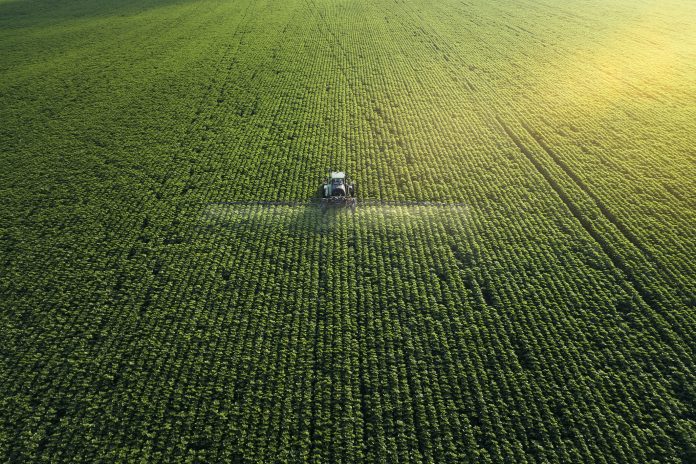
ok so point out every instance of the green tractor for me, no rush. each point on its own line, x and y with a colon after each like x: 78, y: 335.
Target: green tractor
x: 339, y: 191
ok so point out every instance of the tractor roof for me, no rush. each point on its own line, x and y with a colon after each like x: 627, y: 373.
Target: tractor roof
x: 338, y: 175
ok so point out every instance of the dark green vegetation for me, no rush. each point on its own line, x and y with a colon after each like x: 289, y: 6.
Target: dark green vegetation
x: 550, y: 320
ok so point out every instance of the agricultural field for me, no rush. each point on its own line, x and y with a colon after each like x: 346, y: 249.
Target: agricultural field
x: 516, y: 285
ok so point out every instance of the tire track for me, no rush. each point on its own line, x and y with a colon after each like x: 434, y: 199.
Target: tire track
x: 664, y: 276
x: 625, y: 232
x: 635, y: 287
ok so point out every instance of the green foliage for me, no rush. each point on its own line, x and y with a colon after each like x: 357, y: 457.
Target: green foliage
x: 546, y: 315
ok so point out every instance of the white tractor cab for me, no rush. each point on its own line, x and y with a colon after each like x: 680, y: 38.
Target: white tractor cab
x: 338, y: 189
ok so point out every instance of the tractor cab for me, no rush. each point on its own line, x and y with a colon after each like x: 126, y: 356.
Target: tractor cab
x: 337, y: 186
x: 339, y: 190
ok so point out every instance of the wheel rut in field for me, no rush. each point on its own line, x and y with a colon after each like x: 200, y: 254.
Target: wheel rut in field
x: 625, y: 232
x: 616, y: 259
x: 630, y: 237
x: 655, y: 302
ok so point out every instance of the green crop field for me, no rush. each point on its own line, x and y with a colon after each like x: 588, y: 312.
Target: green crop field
x: 516, y: 285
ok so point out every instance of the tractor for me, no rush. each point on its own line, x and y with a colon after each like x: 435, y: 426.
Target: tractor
x: 339, y: 191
